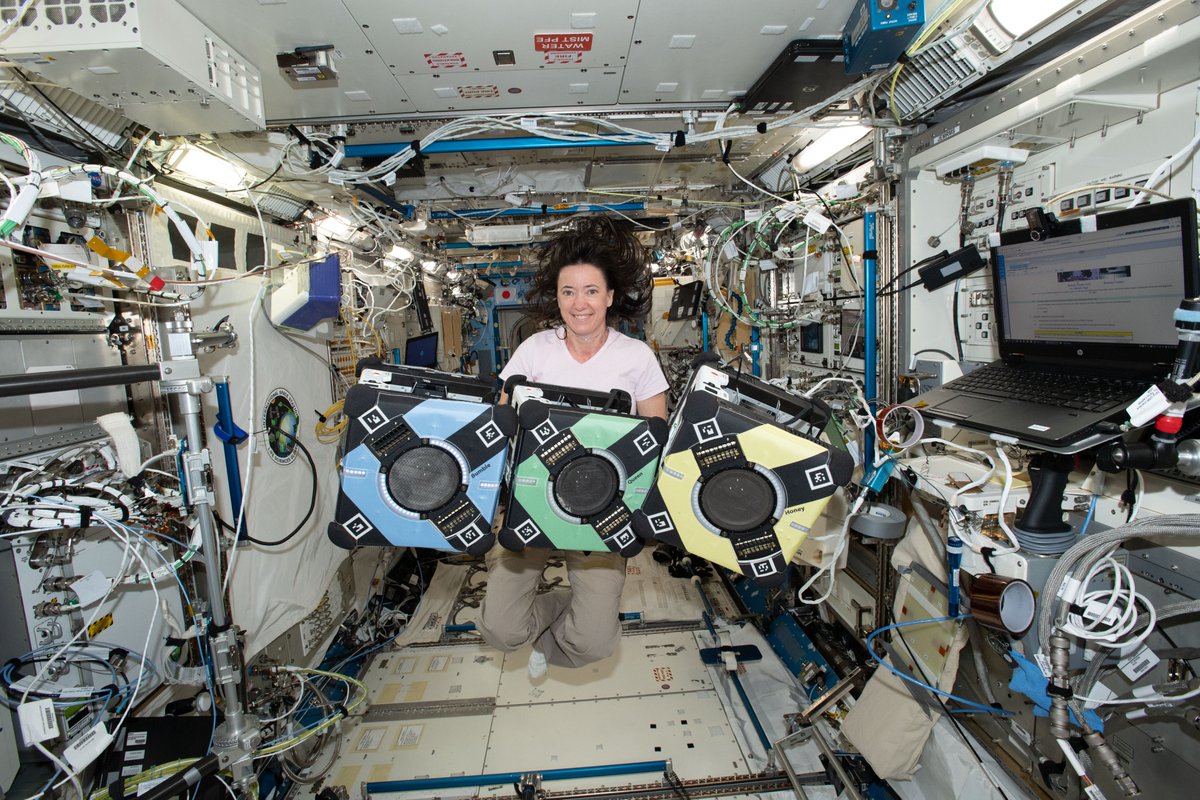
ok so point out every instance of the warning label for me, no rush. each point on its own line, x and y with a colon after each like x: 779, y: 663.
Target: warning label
x: 563, y: 57
x: 558, y: 42
x: 446, y: 60
x: 476, y: 92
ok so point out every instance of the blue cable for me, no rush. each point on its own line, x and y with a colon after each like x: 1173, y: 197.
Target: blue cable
x: 1088, y: 519
x: 358, y: 654
x: 212, y: 690
x: 969, y: 703
x: 49, y: 783
x: 733, y: 323
x: 208, y: 678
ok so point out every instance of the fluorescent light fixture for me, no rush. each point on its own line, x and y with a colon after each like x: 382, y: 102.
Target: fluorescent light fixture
x: 830, y: 143
x: 400, y: 253
x: 983, y: 157
x: 1020, y: 17
x: 335, y: 226
x: 205, y: 167
x: 501, y: 234
x: 847, y: 185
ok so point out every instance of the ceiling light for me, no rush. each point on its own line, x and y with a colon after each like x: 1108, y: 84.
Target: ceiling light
x: 832, y: 142
x: 1020, y: 17
x: 203, y: 166
x: 400, y: 253
x: 335, y: 227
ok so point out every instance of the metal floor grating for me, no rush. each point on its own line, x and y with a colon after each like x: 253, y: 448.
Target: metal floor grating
x: 457, y: 707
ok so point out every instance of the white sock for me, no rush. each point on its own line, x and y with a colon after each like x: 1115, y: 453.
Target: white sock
x: 537, y: 664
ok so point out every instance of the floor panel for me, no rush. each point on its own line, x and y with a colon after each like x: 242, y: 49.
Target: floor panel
x: 643, y: 664
x: 689, y: 728
x: 458, y: 707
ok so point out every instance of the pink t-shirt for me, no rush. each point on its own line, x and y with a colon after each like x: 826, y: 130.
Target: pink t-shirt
x: 622, y: 363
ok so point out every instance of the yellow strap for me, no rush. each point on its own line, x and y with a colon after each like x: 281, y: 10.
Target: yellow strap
x: 98, y: 245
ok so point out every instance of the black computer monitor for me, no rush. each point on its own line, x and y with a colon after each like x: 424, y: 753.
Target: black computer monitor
x: 421, y: 351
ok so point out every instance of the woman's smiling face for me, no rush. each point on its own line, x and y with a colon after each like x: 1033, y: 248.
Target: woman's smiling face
x: 584, y: 299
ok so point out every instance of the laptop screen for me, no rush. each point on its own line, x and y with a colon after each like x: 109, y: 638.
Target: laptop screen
x: 1105, y: 291
x: 422, y: 351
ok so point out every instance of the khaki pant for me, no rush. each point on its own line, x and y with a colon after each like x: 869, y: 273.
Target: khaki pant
x: 571, y: 627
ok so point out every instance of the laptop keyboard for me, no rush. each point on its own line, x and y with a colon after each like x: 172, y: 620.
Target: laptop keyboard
x: 1083, y: 392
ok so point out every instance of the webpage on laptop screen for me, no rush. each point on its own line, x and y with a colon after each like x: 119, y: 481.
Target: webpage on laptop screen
x: 1115, y: 285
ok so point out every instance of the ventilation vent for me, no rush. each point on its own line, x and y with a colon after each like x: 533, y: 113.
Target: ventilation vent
x: 153, y: 61
x: 63, y: 12
x: 50, y: 14
x: 775, y: 176
x: 282, y: 205
x: 110, y: 11
x: 9, y: 9
x: 106, y: 125
x: 934, y: 74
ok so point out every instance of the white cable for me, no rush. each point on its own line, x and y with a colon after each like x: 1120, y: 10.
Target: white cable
x: 18, y: 15
x: 987, y: 476
x: 226, y: 785
x: 71, y: 778
x: 156, y: 458
x: 1164, y: 169
x: 292, y: 710
x: 40, y: 676
x: 1138, y: 491
x: 255, y: 308
x: 1144, y: 700
x: 1008, y: 482
x: 1069, y: 754
x: 1111, y: 613
x: 843, y: 536
x: 132, y: 700
x: 12, y: 190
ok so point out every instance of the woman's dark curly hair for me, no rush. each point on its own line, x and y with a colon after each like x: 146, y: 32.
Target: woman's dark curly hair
x: 606, y: 244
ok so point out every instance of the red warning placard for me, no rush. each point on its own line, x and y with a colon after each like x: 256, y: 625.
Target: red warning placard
x: 445, y: 60
x: 563, y: 57
x: 560, y: 42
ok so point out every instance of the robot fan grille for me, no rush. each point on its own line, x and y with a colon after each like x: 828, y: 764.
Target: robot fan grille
x: 424, y: 479
x: 737, y: 499
x: 586, y: 486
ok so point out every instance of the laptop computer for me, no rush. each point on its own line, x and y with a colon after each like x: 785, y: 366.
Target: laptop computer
x: 1085, y: 324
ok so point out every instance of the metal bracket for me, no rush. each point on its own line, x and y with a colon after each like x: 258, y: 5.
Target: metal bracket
x: 529, y: 786
x: 197, y: 465
x: 860, y: 611
x: 840, y: 690
x: 813, y: 733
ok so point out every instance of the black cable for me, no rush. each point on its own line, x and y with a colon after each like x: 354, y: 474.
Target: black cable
x: 677, y: 785
x: 257, y: 184
x: 31, y: 85
x: 957, y: 336
x: 886, y: 288
x: 1129, y: 496
x: 39, y: 135
x: 1172, y: 643
x: 933, y: 350
x: 312, y: 499
x: 897, y: 290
